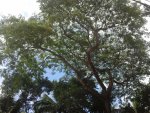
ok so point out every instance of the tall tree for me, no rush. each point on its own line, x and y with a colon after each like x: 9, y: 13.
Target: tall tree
x: 99, y: 39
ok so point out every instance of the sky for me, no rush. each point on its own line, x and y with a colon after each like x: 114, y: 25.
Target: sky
x: 16, y: 7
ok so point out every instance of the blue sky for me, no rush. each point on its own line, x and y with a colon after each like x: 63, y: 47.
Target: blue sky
x: 53, y: 75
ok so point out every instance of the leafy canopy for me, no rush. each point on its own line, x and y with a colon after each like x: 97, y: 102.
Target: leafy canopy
x: 99, y: 40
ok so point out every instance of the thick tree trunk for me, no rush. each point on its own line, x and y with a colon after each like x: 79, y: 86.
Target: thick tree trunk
x: 102, y: 104
x: 100, y: 107
x: 107, y: 107
x: 107, y: 102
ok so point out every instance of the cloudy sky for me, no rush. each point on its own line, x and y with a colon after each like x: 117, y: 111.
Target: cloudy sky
x: 17, y: 7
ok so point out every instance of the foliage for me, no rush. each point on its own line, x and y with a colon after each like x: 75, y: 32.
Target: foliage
x: 128, y: 109
x: 145, y: 7
x: 99, y: 39
x: 69, y: 96
x: 6, y: 103
x: 46, y: 104
x: 141, y: 100
x: 26, y: 90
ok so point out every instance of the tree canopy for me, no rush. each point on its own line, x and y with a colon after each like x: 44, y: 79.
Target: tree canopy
x: 100, y: 40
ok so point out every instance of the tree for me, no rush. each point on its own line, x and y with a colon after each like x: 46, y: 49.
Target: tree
x: 99, y: 39
x: 146, y: 7
x: 6, y: 103
x: 128, y: 109
x: 27, y: 88
x: 69, y: 96
x: 141, y: 100
x: 46, y: 104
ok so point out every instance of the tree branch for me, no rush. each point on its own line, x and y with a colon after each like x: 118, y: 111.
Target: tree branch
x: 68, y: 36
x: 144, y: 4
x: 89, y: 60
x: 109, y: 89
x: 86, y: 86
x: 60, y: 57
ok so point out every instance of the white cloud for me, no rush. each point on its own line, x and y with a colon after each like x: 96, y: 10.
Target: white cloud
x: 17, y: 7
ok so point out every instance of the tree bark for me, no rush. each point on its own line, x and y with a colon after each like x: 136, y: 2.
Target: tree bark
x: 104, y: 105
x: 107, y: 106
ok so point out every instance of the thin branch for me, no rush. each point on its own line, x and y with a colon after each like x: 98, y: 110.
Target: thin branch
x: 144, y: 4
x: 68, y: 36
x: 86, y: 86
x: 109, y: 89
x: 105, y: 28
x: 60, y: 57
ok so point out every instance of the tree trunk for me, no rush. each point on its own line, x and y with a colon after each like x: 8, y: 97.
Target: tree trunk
x: 102, y: 103
x: 107, y: 106
x: 107, y: 102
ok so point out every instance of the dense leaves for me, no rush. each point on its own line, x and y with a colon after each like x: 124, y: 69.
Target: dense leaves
x: 69, y: 96
x: 141, y: 100
x: 99, y: 40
